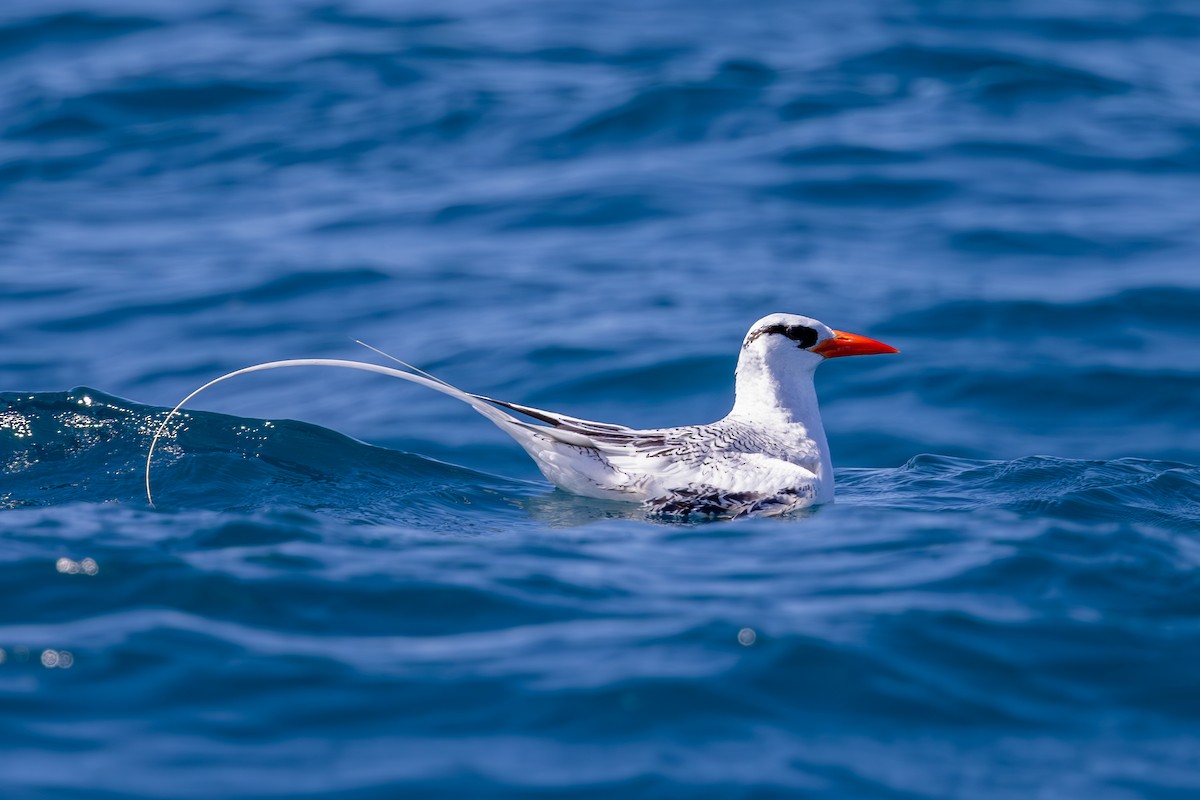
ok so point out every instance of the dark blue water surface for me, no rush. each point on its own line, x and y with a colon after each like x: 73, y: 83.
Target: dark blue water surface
x: 356, y: 588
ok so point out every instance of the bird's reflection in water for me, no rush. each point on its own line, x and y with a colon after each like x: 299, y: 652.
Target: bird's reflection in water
x: 560, y: 509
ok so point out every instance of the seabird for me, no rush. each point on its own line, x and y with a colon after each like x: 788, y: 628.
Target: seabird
x: 767, y: 456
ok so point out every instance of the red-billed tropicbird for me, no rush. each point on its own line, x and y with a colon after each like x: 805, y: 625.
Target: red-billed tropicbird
x: 769, y: 455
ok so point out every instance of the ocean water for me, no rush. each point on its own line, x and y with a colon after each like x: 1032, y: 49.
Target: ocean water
x: 356, y: 588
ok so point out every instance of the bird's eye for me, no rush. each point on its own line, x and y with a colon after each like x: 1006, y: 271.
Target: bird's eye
x: 802, y: 335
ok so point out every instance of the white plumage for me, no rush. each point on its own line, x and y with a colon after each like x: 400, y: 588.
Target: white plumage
x: 767, y: 456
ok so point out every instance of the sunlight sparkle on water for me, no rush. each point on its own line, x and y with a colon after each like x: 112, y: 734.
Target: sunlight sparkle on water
x: 57, y: 659
x: 86, y: 566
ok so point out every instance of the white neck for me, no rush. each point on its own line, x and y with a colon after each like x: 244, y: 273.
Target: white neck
x: 776, y: 401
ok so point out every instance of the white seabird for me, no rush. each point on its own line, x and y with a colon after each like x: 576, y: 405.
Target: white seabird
x: 769, y: 455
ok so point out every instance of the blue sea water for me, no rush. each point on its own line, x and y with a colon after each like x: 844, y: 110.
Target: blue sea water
x: 355, y: 588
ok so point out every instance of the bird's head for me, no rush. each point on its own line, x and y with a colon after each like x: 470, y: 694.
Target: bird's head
x: 790, y: 342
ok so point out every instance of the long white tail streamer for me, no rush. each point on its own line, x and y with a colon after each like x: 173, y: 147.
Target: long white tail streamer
x: 404, y: 364
x: 501, y: 419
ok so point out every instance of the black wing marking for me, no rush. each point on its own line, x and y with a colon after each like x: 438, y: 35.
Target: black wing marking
x: 710, y: 503
x: 600, y: 431
x: 690, y: 443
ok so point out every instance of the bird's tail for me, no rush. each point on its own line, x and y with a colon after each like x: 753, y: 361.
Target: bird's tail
x: 518, y: 429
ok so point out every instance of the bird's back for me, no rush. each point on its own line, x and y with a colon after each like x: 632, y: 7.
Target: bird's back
x: 725, y: 468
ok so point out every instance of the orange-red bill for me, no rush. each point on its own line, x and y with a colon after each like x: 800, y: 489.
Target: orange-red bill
x: 851, y: 344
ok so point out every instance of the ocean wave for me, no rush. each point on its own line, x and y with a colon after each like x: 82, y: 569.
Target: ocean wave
x: 1080, y: 157
x: 868, y: 191
x: 271, y: 292
x: 678, y: 111
x: 991, y: 77
x: 87, y: 446
x: 1127, y: 312
x: 992, y: 242
x: 1124, y: 489
x: 76, y: 27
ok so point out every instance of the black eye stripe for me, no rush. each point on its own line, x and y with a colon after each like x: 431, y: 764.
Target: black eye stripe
x: 803, y: 335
